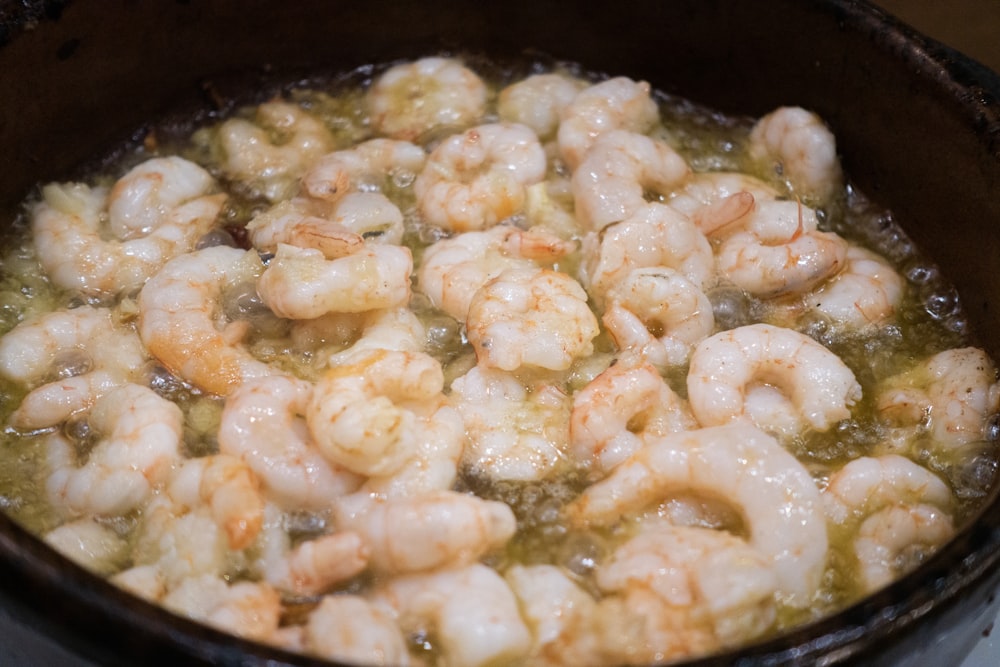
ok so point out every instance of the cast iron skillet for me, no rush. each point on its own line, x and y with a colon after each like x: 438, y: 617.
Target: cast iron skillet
x: 916, y: 123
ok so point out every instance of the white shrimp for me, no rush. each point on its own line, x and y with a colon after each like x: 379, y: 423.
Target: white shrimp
x: 182, y: 323
x: 427, y: 531
x: 90, y: 544
x: 141, y: 440
x: 951, y: 396
x: 656, y: 236
x: 365, y: 166
x: 302, y: 284
x: 149, y: 192
x: 658, y: 315
x: 538, y: 101
x: 779, y: 250
x: 352, y: 629
x: 735, y: 373
x: 76, y: 255
x: 615, y: 104
x: 514, y: 430
x: 263, y: 422
x: 894, y: 540
x: 68, y: 359
x: 409, y: 100
x: 246, y: 609
x: 397, y: 329
x: 471, y: 611
x: 295, y: 222
x: 619, y: 411
x: 800, y: 150
x: 476, y: 179
x: 453, y: 269
x: 773, y: 492
x: 270, y: 153
x: 609, y: 185
x: 531, y: 317
x: 715, y: 199
x: 863, y: 296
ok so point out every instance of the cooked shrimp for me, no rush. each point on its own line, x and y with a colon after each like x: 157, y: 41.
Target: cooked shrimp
x: 621, y: 410
x: 370, y: 215
x: 615, y: 104
x: 729, y: 368
x: 181, y: 323
x: 352, y: 629
x: 427, y: 531
x: 800, y: 149
x: 531, y: 317
x: 453, y: 269
x: 471, y: 612
x: 952, y: 396
x: 775, y: 494
x: 894, y: 540
x: 270, y: 153
x: 396, y: 329
x: 780, y: 251
x: 476, y: 179
x: 141, y: 199
x: 538, y: 101
x: 90, y: 544
x: 142, y: 435
x: 368, y: 165
x: 658, y: 315
x: 609, y: 185
x: 300, y: 283
x: 864, y: 295
x: 292, y: 222
x: 76, y: 255
x: 409, y: 100
x: 263, y: 422
x: 246, y: 609
x: 514, y: 430
x: 656, y: 236
x: 716, y: 199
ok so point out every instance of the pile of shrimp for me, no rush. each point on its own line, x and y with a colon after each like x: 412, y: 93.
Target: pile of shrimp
x: 473, y: 371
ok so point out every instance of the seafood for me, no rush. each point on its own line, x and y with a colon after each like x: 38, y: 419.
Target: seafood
x: 246, y: 609
x: 293, y: 223
x: 538, y: 101
x: 353, y: 629
x: 369, y: 164
x: 800, y: 149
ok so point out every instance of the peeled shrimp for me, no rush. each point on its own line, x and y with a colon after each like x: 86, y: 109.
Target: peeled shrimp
x: 352, y: 629
x: 293, y: 222
x: 894, y: 540
x: 864, y: 295
x: 246, y: 609
x: 538, y: 101
x: 181, y: 324
x: 476, y: 179
x: 367, y: 165
x: 141, y: 199
x: 90, y: 544
x: 868, y: 484
x: 609, y: 184
x: 777, y: 498
x: 411, y: 99
x: 729, y: 368
x: 715, y: 199
x: 800, y: 149
x: 531, y: 317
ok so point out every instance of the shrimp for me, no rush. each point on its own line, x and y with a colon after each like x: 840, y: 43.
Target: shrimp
x: 397, y: 329
x: 777, y: 498
x: 952, y: 396
x: 90, y: 544
x: 715, y: 199
x: 619, y: 411
x: 514, y: 430
x: 658, y: 315
x: 72, y: 247
x: 270, y: 153
x: 863, y: 296
x: 178, y: 314
x: 141, y: 199
x: 895, y: 540
x: 531, y: 317
x: 780, y: 251
x: 800, y: 149
x: 142, y: 435
x: 352, y: 629
x: 452, y: 270
x: 427, y: 531
x: 656, y: 236
x: 476, y: 179
x: 609, y: 184
x: 68, y: 359
x: 471, y: 611
x: 729, y: 368
x: 615, y: 104
x: 366, y: 165
x: 251, y: 610
x: 409, y: 100
x: 263, y: 422
x: 868, y: 484
x: 538, y: 101
x: 292, y: 222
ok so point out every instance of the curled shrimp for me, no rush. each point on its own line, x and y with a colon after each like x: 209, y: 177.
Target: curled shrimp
x: 774, y: 493
x: 864, y: 295
x: 531, y: 317
x: 300, y: 283
x: 538, y: 101
x: 729, y: 368
x: 91, y: 544
x: 293, y: 222
x: 77, y: 254
x: 615, y: 104
x: 609, y: 184
x: 476, y: 179
x: 246, y: 609
x: 453, y: 269
x: 183, y: 324
x: 409, y: 100
x: 659, y: 315
x: 368, y: 165
x: 353, y: 629
x: 800, y: 149
x: 619, y: 411
x: 715, y: 199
